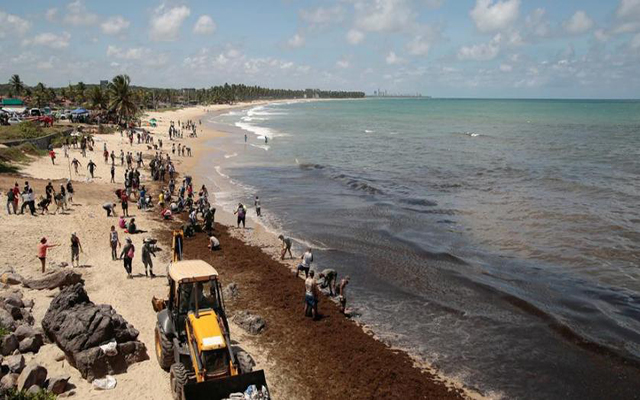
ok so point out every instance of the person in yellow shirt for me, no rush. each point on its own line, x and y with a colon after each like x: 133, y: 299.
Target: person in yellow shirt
x: 161, y: 199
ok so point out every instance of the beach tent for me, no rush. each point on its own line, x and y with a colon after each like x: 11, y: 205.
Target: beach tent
x: 79, y: 111
x: 153, y: 120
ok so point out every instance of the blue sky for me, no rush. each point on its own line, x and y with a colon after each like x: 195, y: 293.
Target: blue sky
x: 444, y: 48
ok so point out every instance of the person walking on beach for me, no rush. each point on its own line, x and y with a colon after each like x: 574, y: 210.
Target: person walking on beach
x: 147, y: 252
x: 342, y: 297
x: 16, y: 197
x: 127, y: 256
x: 311, y: 296
x: 241, y: 211
x: 91, y: 167
x: 10, y: 202
x: 75, y: 164
x: 42, y: 251
x: 257, y: 204
x: 114, y: 243
x: 113, y: 173
x: 307, y: 259
x: 286, y: 246
x: 52, y: 154
x: 245, y: 138
x: 76, y: 248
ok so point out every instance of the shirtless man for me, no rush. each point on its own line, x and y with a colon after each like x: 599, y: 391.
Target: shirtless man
x: 311, y: 296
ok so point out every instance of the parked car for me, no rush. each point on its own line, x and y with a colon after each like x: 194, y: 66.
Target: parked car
x: 14, y: 121
x: 35, y: 112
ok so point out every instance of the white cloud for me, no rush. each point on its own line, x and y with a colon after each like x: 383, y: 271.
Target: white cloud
x: 322, y: 16
x: 393, y: 59
x: 635, y: 42
x: 343, y: 63
x: 434, y: 3
x: 10, y: 24
x: 296, y: 41
x: 166, y: 22
x: 354, y: 36
x: 51, y: 14
x: 50, y: 40
x: 481, y: 52
x: 419, y: 46
x: 491, y: 17
x: 114, y: 25
x: 383, y: 15
x: 537, y: 23
x: 601, y: 35
x: 578, y: 23
x: 143, y: 55
x: 77, y: 14
x: 133, y: 53
x: 204, y: 25
x: 628, y: 9
x: 506, y: 68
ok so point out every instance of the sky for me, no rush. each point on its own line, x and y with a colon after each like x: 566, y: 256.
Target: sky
x: 441, y: 48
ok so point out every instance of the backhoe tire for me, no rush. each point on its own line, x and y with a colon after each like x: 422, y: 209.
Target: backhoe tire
x: 164, y: 349
x: 245, y: 362
x: 177, y: 380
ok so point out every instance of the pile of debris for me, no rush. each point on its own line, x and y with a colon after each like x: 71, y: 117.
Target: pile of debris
x: 95, y: 339
x: 19, y: 338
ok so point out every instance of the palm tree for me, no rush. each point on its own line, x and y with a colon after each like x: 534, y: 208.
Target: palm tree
x: 97, y: 98
x: 122, y: 97
x: 16, y: 84
x: 81, y: 88
x: 40, y: 94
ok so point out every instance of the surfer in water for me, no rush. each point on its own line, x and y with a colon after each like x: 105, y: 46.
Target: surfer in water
x: 266, y: 139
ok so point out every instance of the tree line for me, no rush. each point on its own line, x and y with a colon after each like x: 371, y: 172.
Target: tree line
x: 125, y: 99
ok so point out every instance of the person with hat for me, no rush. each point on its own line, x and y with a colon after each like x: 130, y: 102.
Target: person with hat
x: 127, y: 254
x: 147, y: 252
x: 76, y: 248
x: 42, y: 251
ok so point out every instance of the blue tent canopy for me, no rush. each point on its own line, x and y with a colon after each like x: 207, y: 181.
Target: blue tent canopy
x: 80, y: 111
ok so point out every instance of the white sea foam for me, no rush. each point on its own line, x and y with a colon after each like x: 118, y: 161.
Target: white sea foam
x: 261, y: 146
x: 230, y: 155
x: 368, y: 131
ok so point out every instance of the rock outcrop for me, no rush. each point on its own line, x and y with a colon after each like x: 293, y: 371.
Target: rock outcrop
x: 79, y: 327
x: 54, y: 279
x: 251, y: 323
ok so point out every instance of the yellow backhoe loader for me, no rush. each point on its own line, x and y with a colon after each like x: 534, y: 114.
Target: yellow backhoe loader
x: 192, y: 337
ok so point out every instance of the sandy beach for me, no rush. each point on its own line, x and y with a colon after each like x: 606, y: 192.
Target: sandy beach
x: 330, y: 358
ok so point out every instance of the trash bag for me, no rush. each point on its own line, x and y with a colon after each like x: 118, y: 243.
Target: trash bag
x: 106, y: 383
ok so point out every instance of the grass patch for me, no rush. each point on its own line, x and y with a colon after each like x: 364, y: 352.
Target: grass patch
x: 27, y: 130
x: 10, y: 156
x: 42, y: 394
x: 4, y: 331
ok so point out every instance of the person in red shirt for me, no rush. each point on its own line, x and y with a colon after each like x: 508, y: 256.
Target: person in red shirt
x: 52, y: 154
x: 16, y: 196
x: 42, y: 251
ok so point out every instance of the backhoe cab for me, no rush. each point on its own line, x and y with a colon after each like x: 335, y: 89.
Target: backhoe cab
x: 192, y: 338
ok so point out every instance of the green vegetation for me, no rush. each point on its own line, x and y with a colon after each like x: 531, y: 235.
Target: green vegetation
x: 10, y: 156
x: 23, y: 395
x: 4, y: 331
x: 27, y: 130
x: 124, y: 99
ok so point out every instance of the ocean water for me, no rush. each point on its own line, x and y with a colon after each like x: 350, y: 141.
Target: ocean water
x: 496, y: 239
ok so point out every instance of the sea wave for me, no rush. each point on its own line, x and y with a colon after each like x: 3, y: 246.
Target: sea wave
x: 358, y: 184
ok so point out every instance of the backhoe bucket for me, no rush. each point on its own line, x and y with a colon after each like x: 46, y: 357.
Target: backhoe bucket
x: 223, y: 388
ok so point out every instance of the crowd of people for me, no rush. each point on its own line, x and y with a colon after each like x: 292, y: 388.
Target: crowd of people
x: 172, y: 198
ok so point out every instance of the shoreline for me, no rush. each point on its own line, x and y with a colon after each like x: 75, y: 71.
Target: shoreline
x: 259, y: 235
x: 106, y: 283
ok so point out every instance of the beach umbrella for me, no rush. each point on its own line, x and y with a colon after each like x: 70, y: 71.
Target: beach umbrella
x: 80, y: 111
x: 153, y: 120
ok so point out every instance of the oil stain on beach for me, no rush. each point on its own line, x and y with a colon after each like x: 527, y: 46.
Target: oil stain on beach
x: 495, y: 239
